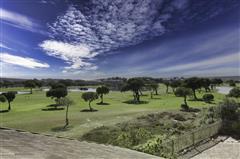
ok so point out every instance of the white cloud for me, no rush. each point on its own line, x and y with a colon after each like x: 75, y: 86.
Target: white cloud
x: 15, y: 18
x: 105, y: 25
x: 74, y: 54
x: 213, y: 62
x: 5, y: 46
x: 22, y: 61
x: 20, y: 21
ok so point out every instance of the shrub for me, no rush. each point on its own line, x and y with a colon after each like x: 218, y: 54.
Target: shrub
x: 178, y: 117
x: 208, y: 98
x: 229, y: 109
x: 133, y: 137
x: 156, y: 146
x: 235, y: 92
x: 236, y: 127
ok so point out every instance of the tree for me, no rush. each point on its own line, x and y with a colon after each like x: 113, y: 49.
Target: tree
x: 235, y: 92
x: 89, y: 97
x: 174, y: 84
x: 10, y: 96
x: 66, y: 102
x: 7, y: 83
x: 166, y: 83
x: 2, y: 98
x: 101, y: 91
x: 215, y: 81
x: 208, y: 98
x: 57, y: 92
x: 30, y: 84
x: 183, y: 92
x: 154, y: 86
x: 194, y: 83
x: 231, y: 83
x: 205, y: 82
x: 38, y: 83
x: 135, y: 85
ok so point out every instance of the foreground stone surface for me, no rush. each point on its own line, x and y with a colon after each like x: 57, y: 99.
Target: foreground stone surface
x: 228, y: 149
x: 24, y: 145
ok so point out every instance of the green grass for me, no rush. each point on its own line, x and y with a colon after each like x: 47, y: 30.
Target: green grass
x: 27, y: 111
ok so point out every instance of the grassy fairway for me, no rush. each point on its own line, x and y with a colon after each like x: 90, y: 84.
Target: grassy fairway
x: 27, y: 111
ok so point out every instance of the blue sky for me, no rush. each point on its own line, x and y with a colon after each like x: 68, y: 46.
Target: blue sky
x: 95, y: 39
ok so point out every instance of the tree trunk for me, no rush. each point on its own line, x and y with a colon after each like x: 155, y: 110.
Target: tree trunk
x: 173, y: 89
x: 194, y: 94
x: 101, y: 96
x: 151, y: 95
x: 167, y: 89
x: 156, y: 92
x: 31, y: 91
x: 212, y: 86
x: 66, y: 121
x: 89, y: 104
x: 57, y: 103
x: 137, y: 97
x: 9, y: 106
x: 185, y: 100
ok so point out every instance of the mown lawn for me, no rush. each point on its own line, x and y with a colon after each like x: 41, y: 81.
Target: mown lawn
x: 27, y: 111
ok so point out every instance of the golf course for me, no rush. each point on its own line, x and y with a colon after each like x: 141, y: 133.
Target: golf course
x: 29, y: 111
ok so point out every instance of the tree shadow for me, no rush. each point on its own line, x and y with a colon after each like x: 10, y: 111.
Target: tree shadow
x: 155, y: 98
x: 4, y: 111
x: 144, y: 95
x: 88, y: 110
x: 103, y: 104
x: 61, y: 128
x: 190, y: 109
x: 196, y: 100
x: 52, y: 109
x: 53, y: 105
x: 133, y: 102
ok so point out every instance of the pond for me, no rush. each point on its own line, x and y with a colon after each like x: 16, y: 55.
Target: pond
x: 223, y: 89
x: 76, y: 89
x: 20, y: 92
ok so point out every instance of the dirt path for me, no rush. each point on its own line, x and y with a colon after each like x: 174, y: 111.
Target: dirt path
x: 228, y: 149
x: 24, y: 145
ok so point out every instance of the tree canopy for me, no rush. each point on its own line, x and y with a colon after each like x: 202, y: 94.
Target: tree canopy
x: 57, y: 91
x: 101, y: 91
x: 183, y: 92
x: 135, y: 85
x: 10, y: 96
x: 89, y: 97
x: 30, y: 84
x: 194, y: 83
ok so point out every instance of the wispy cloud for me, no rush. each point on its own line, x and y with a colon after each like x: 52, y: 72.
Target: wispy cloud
x: 75, y: 55
x: 105, y: 25
x: 5, y: 46
x: 204, y: 64
x: 22, y: 61
x: 20, y: 21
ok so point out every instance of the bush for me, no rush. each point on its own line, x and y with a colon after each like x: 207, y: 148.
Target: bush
x: 208, y: 98
x: 156, y: 146
x: 231, y: 128
x: 229, y: 109
x: 133, y: 137
x: 235, y: 92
